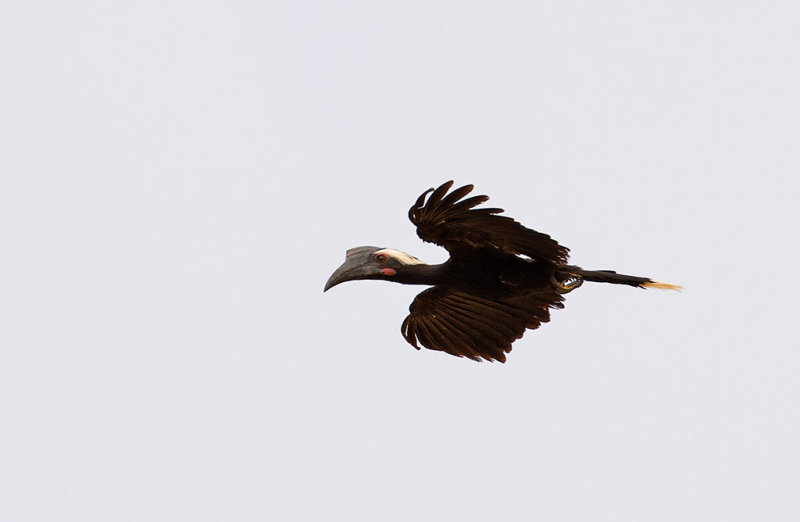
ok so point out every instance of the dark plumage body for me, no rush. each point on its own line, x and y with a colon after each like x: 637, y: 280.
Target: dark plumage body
x: 501, y: 278
x: 486, y: 273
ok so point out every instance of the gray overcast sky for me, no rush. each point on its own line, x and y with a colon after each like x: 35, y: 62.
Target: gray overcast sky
x: 178, y: 180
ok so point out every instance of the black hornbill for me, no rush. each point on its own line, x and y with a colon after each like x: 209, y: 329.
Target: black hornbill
x: 501, y: 277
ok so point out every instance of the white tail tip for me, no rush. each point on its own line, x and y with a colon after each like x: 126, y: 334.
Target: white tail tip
x: 662, y: 286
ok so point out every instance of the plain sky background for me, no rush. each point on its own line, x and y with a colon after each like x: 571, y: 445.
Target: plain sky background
x: 179, y: 179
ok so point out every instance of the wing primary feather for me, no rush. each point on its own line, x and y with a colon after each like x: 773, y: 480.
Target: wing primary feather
x: 527, y: 314
x: 464, y: 301
x: 473, y: 330
x: 435, y: 200
x: 480, y: 311
x: 423, y: 334
x: 440, y: 341
x: 473, y: 334
x: 500, y: 323
x: 466, y: 343
x: 407, y: 329
x: 488, y: 317
x: 502, y: 307
x: 413, y: 212
x: 492, y: 211
x: 463, y: 206
x: 456, y: 195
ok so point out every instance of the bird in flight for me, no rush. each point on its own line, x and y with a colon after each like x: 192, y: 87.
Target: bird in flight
x: 501, y: 278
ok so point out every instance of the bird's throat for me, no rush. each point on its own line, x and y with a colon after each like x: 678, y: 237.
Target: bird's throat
x: 420, y: 274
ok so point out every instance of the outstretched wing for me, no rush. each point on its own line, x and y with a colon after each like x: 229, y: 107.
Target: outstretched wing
x: 451, y: 221
x: 469, y: 326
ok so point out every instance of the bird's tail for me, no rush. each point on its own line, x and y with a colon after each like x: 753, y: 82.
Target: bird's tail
x: 609, y: 276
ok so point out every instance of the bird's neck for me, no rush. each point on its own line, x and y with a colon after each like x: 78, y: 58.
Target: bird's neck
x: 420, y: 274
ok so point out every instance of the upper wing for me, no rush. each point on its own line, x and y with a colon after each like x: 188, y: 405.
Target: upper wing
x: 468, y: 326
x: 452, y: 222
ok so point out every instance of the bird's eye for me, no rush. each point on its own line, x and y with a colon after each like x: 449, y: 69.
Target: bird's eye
x: 381, y: 258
